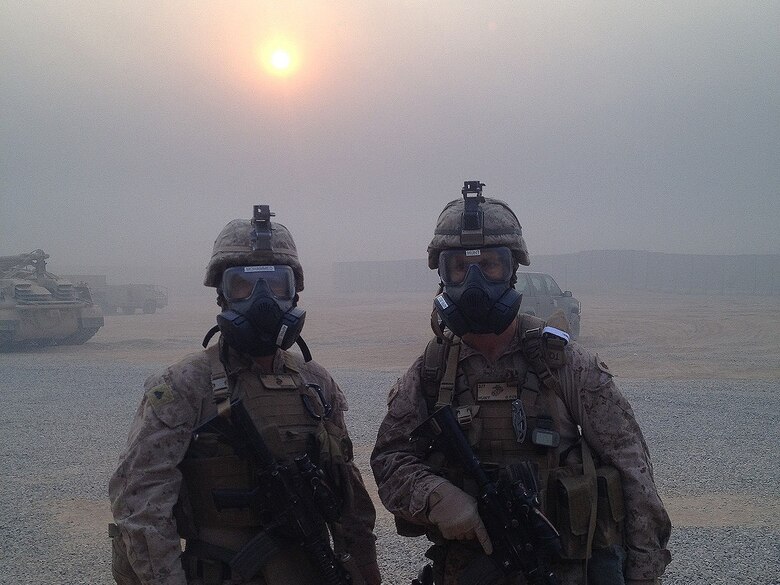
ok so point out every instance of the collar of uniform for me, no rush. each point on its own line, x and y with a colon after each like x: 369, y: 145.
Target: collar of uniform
x: 277, y: 365
x: 468, y: 351
x: 283, y: 362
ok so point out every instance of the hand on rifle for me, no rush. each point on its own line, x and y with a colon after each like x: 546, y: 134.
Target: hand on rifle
x: 455, y: 514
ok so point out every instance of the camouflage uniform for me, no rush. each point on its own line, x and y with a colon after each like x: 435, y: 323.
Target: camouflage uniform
x: 146, y: 487
x: 573, y: 393
x: 162, y: 490
x: 590, y: 400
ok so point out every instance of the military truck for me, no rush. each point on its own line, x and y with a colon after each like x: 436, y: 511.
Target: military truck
x: 542, y: 297
x: 41, y: 308
x: 127, y: 298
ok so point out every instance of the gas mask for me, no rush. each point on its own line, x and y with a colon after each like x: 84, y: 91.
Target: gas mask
x: 261, y: 313
x: 477, y: 296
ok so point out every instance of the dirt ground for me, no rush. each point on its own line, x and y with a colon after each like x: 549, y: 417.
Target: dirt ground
x: 642, y: 335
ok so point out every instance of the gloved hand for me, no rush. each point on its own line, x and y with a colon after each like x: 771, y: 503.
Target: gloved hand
x: 455, y: 514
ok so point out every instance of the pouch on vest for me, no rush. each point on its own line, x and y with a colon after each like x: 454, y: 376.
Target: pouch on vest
x: 570, y: 501
x: 609, y: 518
x: 205, y: 474
x: 406, y: 528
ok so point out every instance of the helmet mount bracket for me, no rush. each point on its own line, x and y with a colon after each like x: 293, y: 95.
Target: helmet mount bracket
x: 471, y: 233
x: 261, y: 222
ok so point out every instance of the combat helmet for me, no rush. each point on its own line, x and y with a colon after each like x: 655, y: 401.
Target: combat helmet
x: 236, y: 245
x: 488, y: 222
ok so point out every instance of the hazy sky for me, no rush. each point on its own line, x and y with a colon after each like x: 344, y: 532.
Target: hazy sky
x: 132, y: 132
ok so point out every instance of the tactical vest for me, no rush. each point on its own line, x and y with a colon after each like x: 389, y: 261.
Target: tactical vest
x: 290, y: 416
x: 515, y: 413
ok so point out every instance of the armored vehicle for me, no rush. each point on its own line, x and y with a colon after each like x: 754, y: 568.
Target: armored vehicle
x: 38, y: 307
x: 127, y: 298
x: 542, y: 297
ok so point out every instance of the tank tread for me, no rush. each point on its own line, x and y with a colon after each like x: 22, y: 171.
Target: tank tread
x: 81, y: 336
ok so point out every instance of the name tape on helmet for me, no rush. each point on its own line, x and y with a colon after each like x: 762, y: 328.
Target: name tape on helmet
x: 473, y: 252
x: 259, y: 268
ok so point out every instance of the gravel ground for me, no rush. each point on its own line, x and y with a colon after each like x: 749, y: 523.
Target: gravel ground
x: 64, y: 421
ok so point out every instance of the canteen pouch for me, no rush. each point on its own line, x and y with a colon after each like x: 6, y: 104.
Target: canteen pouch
x: 611, y: 511
x: 571, y: 507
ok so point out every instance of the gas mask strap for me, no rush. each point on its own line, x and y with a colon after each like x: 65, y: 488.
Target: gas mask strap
x: 438, y: 331
x: 211, y: 332
x: 304, y: 348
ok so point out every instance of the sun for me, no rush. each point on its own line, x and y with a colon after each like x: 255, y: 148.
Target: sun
x: 279, y: 58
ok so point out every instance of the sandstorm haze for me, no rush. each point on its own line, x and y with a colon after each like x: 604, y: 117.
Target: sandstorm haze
x: 130, y: 133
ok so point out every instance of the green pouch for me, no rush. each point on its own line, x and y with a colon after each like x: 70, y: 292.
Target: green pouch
x: 335, y: 455
x: 570, y: 507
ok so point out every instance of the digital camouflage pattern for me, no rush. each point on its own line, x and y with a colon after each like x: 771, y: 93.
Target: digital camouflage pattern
x: 233, y: 247
x: 500, y: 228
x: 146, y: 486
x: 590, y: 399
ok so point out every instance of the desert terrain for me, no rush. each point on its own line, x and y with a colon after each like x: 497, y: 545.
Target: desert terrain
x: 642, y: 335
x: 702, y: 372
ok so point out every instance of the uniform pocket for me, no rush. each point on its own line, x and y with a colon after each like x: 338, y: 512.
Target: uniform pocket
x: 611, y: 511
x: 120, y: 564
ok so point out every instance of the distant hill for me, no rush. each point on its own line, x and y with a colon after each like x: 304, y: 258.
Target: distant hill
x: 596, y: 270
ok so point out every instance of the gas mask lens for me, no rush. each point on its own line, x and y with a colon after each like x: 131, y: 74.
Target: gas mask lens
x: 494, y: 263
x: 239, y: 282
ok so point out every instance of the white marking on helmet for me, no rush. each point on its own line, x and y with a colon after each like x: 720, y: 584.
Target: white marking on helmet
x: 259, y: 268
x: 473, y: 252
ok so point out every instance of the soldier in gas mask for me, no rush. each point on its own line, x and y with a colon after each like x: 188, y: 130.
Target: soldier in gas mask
x: 188, y: 473
x: 535, y: 408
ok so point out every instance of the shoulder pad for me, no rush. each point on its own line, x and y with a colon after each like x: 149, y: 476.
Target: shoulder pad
x: 559, y: 321
x: 528, y: 323
x: 434, y: 359
x: 540, y: 350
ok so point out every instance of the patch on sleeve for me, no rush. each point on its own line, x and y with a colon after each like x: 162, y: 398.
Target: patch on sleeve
x: 159, y: 395
x: 603, y: 366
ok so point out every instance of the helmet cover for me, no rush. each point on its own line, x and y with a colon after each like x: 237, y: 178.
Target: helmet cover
x: 500, y: 228
x: 233, y: 247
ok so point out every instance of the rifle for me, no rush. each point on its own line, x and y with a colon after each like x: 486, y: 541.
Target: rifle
x: 523, y: 538
x: 299, y: 500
